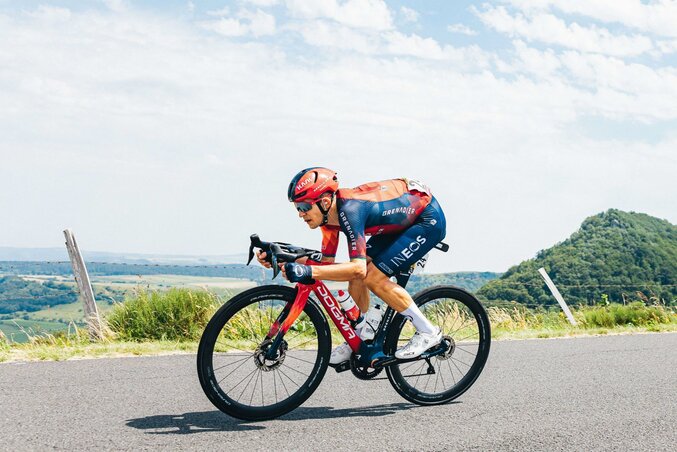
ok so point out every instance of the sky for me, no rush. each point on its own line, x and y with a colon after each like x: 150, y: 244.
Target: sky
x: 174, y: 127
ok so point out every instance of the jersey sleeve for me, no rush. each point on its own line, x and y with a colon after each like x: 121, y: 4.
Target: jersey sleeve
x: 330, y: 239
x: 351, y: 221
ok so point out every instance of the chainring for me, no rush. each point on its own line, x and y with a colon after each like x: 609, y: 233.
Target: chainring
x: 362, y: 372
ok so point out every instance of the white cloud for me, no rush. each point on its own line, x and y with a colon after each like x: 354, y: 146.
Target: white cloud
x: 414, y: 45
x: 550, y: 29
x: 321, y: 33
x: 190, y: 6
x: 257, y: 23
x: 409, y: 15
x: 226, y: 27
x: 462, y: 29
x: 117, y: 6
x: 368, y: 14
x: 263, y: 3
x: 225, y: 11
x: 51, y: 13
x: 654, y: 16
x: 163, y: 118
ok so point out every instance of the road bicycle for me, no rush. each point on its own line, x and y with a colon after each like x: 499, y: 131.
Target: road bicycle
x: 266, y: 350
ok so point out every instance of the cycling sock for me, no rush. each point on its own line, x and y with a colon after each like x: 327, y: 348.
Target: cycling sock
x: 421, y: 324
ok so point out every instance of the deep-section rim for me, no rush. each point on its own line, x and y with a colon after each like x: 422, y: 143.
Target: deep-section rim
x: 394, y: 375
x: 205, y: 364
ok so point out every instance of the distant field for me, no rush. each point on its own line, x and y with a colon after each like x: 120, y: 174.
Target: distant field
x: 13, y: 328
x: 108, y: 290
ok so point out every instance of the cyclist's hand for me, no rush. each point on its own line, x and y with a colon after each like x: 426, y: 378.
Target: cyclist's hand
x: 261, y: 257
x: 298, y: 272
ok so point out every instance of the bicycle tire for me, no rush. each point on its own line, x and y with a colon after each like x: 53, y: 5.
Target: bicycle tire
x: 224, y: 328
x: 465, y: 304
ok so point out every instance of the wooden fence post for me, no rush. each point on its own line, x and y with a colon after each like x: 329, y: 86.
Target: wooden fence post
x: 82, y: 279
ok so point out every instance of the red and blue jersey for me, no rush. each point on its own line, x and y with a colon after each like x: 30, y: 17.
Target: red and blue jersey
x: 374, y: 208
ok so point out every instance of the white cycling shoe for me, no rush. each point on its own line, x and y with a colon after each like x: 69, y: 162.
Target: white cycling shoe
x: 340, y: 354
x: 418, y: 344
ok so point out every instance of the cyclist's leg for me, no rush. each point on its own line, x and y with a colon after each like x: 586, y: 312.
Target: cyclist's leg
x: 360, y: 292
x: 358, y: 288
x: 415, y: 242
x: 401, y: 252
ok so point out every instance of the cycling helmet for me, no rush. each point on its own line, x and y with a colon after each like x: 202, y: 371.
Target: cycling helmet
x: 311, y: 183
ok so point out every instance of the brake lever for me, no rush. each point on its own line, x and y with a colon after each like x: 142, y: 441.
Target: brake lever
x: 257, y: 243
x: 274, y: 249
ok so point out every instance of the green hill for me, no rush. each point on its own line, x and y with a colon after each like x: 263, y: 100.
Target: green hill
x: 614, y: 256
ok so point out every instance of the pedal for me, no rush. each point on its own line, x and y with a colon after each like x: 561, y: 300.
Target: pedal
x: 342, y: 367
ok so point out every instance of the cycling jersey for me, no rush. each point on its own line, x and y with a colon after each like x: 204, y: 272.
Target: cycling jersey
x: 389, y: 208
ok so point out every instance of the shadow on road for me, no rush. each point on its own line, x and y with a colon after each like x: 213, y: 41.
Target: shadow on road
x: 208, y: 421
x: 216, y: 421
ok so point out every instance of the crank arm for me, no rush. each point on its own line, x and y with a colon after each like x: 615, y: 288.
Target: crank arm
x: 390, y: 360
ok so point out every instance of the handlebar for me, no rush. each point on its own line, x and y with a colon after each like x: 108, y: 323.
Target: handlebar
x: 277, y: 252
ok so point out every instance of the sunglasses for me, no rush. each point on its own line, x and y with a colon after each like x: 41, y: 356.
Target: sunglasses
x: 303, y: 206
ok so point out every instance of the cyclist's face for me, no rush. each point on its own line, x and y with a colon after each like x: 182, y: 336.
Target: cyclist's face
x: 312, y: 217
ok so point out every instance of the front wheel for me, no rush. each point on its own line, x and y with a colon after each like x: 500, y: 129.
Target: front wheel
x: 466, y: 333
x: 232, y: 366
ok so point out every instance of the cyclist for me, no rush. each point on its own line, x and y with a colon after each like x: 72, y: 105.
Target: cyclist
x: 404, y: 221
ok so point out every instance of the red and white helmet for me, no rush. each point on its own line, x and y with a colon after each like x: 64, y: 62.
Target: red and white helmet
x: 311, y: 183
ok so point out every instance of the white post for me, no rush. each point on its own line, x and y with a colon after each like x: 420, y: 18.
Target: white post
x: 82, y: 278
x: 557, y: 295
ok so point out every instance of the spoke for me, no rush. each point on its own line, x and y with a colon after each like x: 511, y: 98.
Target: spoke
x: 464, y: 350
x: 282, y: 372
x: 256, y: 383
x: 417, y: 378
x: 299, y: 359
x: 241, y: 364
x: 427, y: 380
x: 234, y: 362
x: 462, y: 325
x: 457, y: 368
x: 464, y: 338
x: 231, y: 389
x: 239, y: 349
x: 283, y: 383
x: 298, y: 372
x: 451, y: 372
x: 253, y: 374
x: 261, y: 375
x: 437, y: 377
x: 275, y: 384
x: 302, y: 343
x: 441, y: 375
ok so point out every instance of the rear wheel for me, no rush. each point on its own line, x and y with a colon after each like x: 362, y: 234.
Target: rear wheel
x: 232, y: 367
x: 466, y: 332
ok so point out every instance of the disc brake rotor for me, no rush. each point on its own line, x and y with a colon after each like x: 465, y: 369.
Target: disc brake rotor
x: 450, y: 349
x: 266, y: 364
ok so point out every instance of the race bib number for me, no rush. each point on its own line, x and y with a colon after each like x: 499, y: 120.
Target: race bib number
x: 418, y: 186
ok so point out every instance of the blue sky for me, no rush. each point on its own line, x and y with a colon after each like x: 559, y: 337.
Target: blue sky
x: 174, y: 126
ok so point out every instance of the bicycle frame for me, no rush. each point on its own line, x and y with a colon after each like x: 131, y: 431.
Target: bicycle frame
x: 366, y: 353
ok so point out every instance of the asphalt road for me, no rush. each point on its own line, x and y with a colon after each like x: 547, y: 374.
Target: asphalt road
x: 603, y: 393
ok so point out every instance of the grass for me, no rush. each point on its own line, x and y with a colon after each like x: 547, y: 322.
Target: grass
x: 175, y: 315
x: 153, y: 323
x: 520, y: 323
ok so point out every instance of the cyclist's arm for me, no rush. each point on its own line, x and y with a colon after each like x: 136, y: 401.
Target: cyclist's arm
x: 325, y: 260
x: 345, y: 271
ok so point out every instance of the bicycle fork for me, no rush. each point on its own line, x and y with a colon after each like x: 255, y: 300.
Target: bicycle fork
x: 286, y: 319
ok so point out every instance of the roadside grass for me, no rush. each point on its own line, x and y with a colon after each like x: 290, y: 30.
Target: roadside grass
x: 175, y: 315
x: 521, y: 323
x: 155, y: 323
